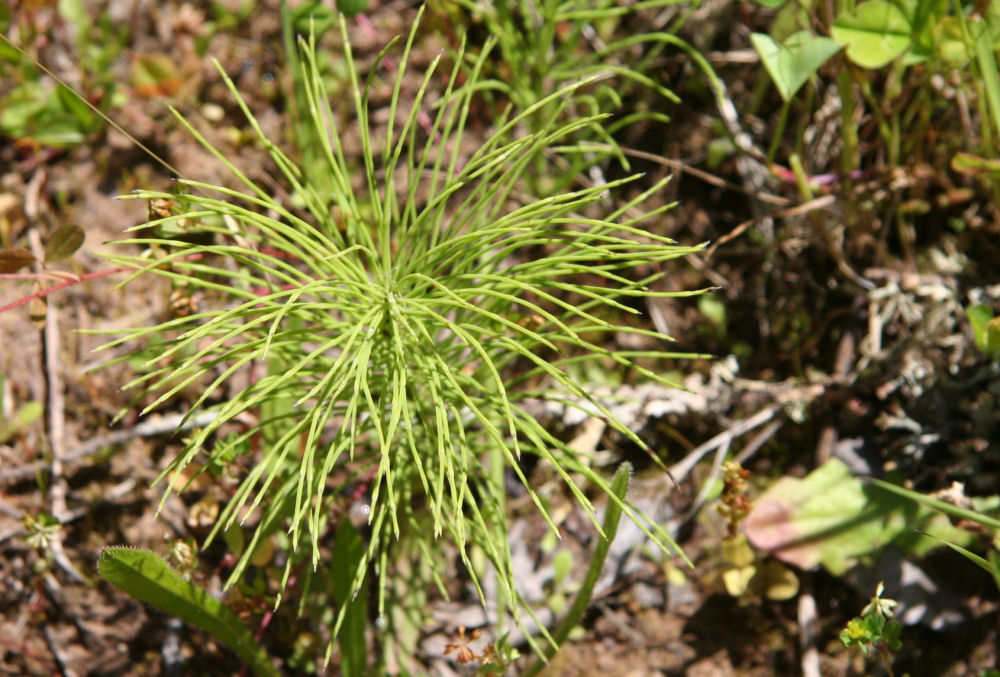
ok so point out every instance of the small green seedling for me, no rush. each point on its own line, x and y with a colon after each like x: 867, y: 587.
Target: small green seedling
x: 57, y: 117
x: 874, y: 630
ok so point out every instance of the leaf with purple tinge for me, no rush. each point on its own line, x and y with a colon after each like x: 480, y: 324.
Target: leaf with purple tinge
x: 832, y: 518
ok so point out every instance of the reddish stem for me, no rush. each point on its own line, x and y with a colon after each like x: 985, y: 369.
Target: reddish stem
x: 75, y: 279
x: 42, y: 293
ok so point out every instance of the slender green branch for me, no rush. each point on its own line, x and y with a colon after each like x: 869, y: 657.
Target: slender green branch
x: 612, y: 515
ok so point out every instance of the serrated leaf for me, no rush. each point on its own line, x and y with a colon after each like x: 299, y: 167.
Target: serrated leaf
x: 792, y: 63
x: 147, y: 578
x: 875, y: 34
x: 63, y: 243
x: 15, y: 258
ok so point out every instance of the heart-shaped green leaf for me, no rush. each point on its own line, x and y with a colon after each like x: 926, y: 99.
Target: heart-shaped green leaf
x: 875, y: 34
x: 792, y: 63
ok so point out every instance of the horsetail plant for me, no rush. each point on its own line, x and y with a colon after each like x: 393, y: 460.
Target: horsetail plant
x: 405, y: 321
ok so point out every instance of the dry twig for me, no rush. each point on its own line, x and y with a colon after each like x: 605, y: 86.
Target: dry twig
x: 55, y: 420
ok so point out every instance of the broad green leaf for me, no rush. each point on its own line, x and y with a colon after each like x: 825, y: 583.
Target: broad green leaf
x: 63, y: 243
x: 147, y: 578
x: 778, y: 581
x: 792, y: 63
x: 45, y: 116
x: 58, y: 131
x: 15, y: 258
x: 714, y: 309
x: 831, y: 518
x: 923, y: 13
x: 789, y: 20
x: 875, y: 34
x: 235, y: 539
x: 8, y: 54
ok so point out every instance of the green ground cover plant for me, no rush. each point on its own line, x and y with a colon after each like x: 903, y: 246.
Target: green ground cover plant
x: 880, y: 35
x: 397, y: 334
x: 58, y: 117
